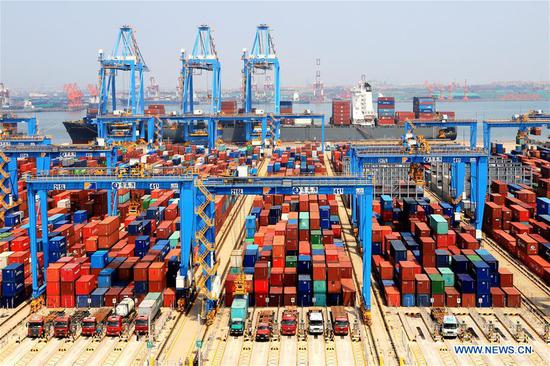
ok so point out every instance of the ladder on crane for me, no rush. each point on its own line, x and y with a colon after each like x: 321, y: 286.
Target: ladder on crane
x: 6, y: 204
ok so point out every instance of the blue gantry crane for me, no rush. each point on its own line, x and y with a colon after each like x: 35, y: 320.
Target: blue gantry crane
x: 455, y: 155
x: 203, y: 57
x: 125, y: 56
x: 31, y: 122
x: 187, y: 187
x: 521, y: 125
x: 262, y: 57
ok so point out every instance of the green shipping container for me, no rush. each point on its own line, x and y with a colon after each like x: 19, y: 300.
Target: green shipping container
x: 320, y: 298
x: 315, y: 237
x: 437, y: 284
x: 291, y: 261
x: 317, y: 246
x: 438, y: 224
x: 320, y: 286
x: 174, y: 239
x: 234, y: 270
x: 303, y: 216
x: 249, y: 241
x: 145, y: 201
x: 474, y: 258
x: 448, y: 276
x: 303, y: 224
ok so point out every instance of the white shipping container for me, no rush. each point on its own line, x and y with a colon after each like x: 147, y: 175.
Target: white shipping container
x: 237, y: 258
x: 242, y: 171
x: 64, y: 203
x: 125, y: 307
x: 4, y: 259
x: 150, y: 307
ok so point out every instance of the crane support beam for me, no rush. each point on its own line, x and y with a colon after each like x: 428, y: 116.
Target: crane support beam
x: 129, y: 128
x: 519, y: 125
x: 32, y: 124
x: 25, y: 140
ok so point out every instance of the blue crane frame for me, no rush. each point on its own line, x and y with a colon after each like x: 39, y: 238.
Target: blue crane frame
x: 521, y: 126
x: 262, y: 56
x: 455, y: 155
x: 358, y: 187
x: 138, y: 123
x: 203, y: 57
x: 35, y: 140
x: 32, y: 125
x: 471, y: 124
x: 45, y: 153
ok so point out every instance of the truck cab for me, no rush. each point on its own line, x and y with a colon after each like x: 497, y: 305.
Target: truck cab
x: 239, y: 313
x: 450, y: 326
x: 114, y: 326
x: 142, y: 324
x: 315, y: 322
x: 62, y: 326
x: 89, y: 326
x: 263, y: 332
x: 340, y: 321
x: 289, y: 322
x: 35, y: 327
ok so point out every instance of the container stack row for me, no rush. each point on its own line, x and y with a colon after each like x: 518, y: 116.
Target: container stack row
x: 386, y: 111
x: 341, y: 112
x: 424, y: 107
x: 420, y: 260
x: 297, y: 161
x: 294, y: 254
x: 519, y: 221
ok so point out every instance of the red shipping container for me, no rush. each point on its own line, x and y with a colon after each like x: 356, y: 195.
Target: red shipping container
x: 506, y: 277
x: 497, y: 298
x: 107, y: 241
x: 290, y: 276
x: 21, y: 243
x: 70, y: 272
x: 346, y: 269
x: 333, y: 271
x: 86, y: 284
x: 348, y: 292
x: 157, y: 286
x: 407, y: 287
x: 141, y: 271
x: 260, y: 299
x: 468, y: 300
x: 53, y: 301
x: 53, y: 288
x: 261, y: 270
x: 422, y: 283
x: 439, y: 300
x: 53, y: 272
x: 112, y: 296
x: 393, y: 297
x: 334, y: 287
x: 169, y: 298
x: 513, y: 297
x: 276, y: 276
x: 276, y: 296
x: 157, y: 271
x: 290, y: 296
x: 68, y: 301
x: 421, y: 229
x: 451, y: 297
x: 319, y: 271
x: 67, y: 288
x: 108, y: 225
x: 527, y: 244
x: 408, y: 270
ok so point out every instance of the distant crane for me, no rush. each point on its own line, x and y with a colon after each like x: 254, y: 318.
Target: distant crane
x: 153, y: 90
x: 125, y: 56
x: 94, y: 93
x: 465, y: 98
x: 318, y: 88
x: 74, y: 97
x: 262, y: 57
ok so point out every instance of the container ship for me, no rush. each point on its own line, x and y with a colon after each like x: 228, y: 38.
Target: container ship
x: 352, y: 120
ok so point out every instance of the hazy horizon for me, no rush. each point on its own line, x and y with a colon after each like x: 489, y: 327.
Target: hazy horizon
x: 47, y: 44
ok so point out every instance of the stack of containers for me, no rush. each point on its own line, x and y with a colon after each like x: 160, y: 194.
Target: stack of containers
x: 424, y: 108
x: 519, y: 221
x: 286, y: 108
x: 229, y: 107
x: 386, y: 111
x: 427, y: 263
x: 304, y: 160
x: 341, y: 112
x: 401, y: 117
x: 13, y: 285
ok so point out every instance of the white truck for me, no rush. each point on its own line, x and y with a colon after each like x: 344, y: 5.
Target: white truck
x: 315, y: 322
x: 450, y: 326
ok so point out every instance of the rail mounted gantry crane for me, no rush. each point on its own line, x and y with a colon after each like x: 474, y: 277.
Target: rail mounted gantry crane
x: 455, y: 155
x: 31, y: 122
x: 187, y: 187
x: 522, y: 125
x: 25, y: 140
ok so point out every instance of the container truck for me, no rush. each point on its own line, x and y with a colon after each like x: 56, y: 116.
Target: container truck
x: 38, y: 326
x: 148, y: 310
x: 264, y: 325
x: 239, y: 313
x: 62, y: 326
x: 119, y: 323
x: 289, y: 322
x: 95, y: 325
x: 340, y: 321
x: 315, y: 321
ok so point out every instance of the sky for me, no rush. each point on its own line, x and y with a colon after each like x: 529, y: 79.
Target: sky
x: 47, y: 44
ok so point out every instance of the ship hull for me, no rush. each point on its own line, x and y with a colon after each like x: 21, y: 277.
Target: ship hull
x: 82, y: 133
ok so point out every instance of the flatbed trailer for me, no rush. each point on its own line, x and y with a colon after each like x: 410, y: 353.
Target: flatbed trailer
x: 264, y: 325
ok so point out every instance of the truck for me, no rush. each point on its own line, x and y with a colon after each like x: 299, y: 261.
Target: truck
x: 119, y: 323
x: 450, y: 326
x: 340, y: 320
x: 239, y: 313
x: 94, y: 325
x: 264, y: 325
x: 62, y: 327
x: 289, y: 322
x: 315, y: 321
x: 148, y: 310
x: 38, y: 326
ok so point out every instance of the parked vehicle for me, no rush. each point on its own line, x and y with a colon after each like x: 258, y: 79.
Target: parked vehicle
x: 37, y: 326
x: 148, y: 310
x: 62, y: 326
x: 264, y: 325
x: 340, y: 320
x: 450, y: 326
x: 315, y: 321
x: 119, y: 323
x: 95, y: 324
x: 239, y: 313
x: 289, y: 322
